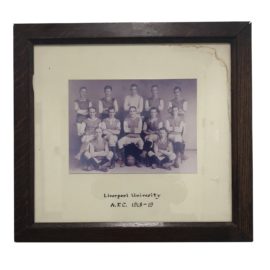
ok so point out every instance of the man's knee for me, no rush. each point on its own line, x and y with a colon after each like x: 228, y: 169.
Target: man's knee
x: 172, y: 156
x: 140, y: 143
x: 87, y: 138
x: 110, y: 155
x: 87, y: 155
x: 113, y: 140
x: 121, y: 142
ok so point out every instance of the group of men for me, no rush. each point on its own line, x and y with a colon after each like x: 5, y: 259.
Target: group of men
x: 141, y: 138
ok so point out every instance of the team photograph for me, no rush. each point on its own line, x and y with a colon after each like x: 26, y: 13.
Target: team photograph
x: 133, y: 126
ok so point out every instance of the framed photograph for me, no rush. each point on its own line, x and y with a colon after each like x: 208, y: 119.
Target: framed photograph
x: 131, y: 132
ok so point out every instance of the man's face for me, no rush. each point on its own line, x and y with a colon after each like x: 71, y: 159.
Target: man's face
x: 111, y: 113
x: 134, y: 90
x: 83, y: 93
x: 177, y: 93
x: 132, y: 112
x: 153, y: 113
x: 98, y: 132
x: 92, y: 112
x: 108, y: 92
x: 154, y: 91
x: 175, y: 111
x: 163, y: 133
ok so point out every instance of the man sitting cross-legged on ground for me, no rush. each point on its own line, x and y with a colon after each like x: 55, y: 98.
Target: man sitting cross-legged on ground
x: 111, y: 127
x: 175, y: 125
x: 97, y: 156
x: 151, y: 128
x: 107, y: 102
x: 88, y: 131
x: 132, y: 128
x: 162, y: 156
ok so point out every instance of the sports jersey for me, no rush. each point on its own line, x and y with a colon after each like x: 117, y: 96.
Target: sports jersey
x: 163, y: 145
x: 136, y: 101
x: 98, y: 146
x: 153, y: 125
x: 154, y: 102
x: 175, y: 122
x: 133, y: 123
x: 107, y: 103
x: 91, y: 125
x: 179, y: 104
x: 111, y: 123
x: 83, y: 105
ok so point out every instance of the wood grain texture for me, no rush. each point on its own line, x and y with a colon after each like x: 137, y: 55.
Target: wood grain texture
x: 238, y: 34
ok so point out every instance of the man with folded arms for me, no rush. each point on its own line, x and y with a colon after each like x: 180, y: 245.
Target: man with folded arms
x: 111, y: 127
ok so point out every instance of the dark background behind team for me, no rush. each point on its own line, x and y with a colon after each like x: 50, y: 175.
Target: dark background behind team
x: 121, y: 88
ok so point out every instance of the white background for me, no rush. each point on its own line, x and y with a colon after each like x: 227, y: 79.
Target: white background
x: 138, y: 256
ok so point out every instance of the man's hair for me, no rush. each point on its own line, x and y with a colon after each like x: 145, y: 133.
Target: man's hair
x: 82, y: 88
x: 154, y: 108
x: 163, y: 129
x: 154, y: 86
x: 173, y: 107
x: 111, y: 108
x: 92, y: 108
x: 177, y: 88
x: 133, y: 85
x: 132, y: 107
x: 107, y: 87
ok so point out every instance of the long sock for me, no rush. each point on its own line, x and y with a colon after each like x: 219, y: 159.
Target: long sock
x: 122, y: 154
x: 177, y: 147
x: 154, y: 160
x: 147, y: 146
x: 165, y: 160
x: 92, y: 162
x: 113, y: 149
x: 103, y: 161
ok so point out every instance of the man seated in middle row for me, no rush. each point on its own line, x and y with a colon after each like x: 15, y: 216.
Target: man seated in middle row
x: 150, y: 133
x: 132, y: 128
x: 111, y: 127
x: 88, y: 127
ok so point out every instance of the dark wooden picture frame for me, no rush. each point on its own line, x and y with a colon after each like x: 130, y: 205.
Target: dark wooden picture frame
x: 237, y: 34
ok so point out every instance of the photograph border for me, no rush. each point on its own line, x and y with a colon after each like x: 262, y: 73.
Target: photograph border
x: 237, y: 34
x: 187, y: 165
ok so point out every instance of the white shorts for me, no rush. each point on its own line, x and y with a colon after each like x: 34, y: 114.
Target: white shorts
x: 112, y: 139
x: 88, y: 155
x: 151, y: 137
x: 171, y: 156
x: 175, y: 137
x: 87, y: 138
x: 128, y: 140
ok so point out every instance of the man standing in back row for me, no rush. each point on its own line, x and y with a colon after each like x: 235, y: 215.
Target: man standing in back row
x: 179, y: 102
x: 154, y: 101
x: 134, y: 100
x: 107, y: 102
x: 81, y: 106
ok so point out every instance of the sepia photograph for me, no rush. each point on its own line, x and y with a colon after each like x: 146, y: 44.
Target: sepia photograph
x: 133, y: 126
